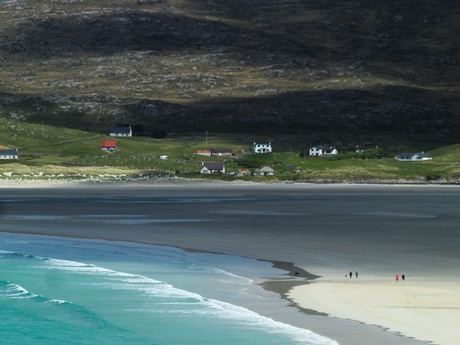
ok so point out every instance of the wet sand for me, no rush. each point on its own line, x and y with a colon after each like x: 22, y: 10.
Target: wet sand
x: 324, y: 230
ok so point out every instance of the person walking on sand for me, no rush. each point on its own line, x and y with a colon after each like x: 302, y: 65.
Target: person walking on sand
x: 397, y: 277
x: 403, y: 277
x: 351, y: 274
x: 356, y: 274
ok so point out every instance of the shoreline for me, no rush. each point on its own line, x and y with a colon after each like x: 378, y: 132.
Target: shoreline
x: 293, y: 278
x: 49, y: 182
x: 290, y: 254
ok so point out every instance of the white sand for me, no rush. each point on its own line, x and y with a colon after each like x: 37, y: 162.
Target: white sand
x: 424, y: 310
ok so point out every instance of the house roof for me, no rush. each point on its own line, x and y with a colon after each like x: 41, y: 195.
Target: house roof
x: 412, y: 154
x: 119, y: 129
x: 321, y: 147
x: 221, y: 150
x: 109, y: 143
x: 406, y: 154
x: 424, y: 154
x: 213, y: 165
x: 9, y: 152
x: 366, y: 147
x: 265, y: 169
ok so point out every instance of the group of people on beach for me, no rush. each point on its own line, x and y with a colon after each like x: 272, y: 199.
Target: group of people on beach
x: 351, y: 274
x: 403, y: 277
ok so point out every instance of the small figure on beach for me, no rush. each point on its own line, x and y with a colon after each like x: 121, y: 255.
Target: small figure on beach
x: 403, y: 277
x: 397, y: 277
x: 351, y: 274
x: 356, y: 273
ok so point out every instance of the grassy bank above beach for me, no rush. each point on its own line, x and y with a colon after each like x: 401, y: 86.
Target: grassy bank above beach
x: 52, y: 152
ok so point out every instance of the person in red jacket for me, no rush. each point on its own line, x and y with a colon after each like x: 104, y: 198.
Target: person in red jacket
x: 397, y: 277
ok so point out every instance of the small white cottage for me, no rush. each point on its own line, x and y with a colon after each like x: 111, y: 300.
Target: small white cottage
x: 124, y: 131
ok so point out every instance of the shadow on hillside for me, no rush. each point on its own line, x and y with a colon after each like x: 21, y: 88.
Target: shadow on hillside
x: 403, y: 110
x: 386, y: 109
x: 139, y: 31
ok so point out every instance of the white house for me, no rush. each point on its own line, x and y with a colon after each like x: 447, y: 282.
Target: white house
x: 413, y: 157
x: 262, y: 148
x: 264, y: 171
x: 212, y: 168
x: 8, y: 153
x: 121, y: 131
x: 325, y: 151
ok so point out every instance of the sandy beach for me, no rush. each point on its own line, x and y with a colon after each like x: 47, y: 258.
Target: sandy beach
x: 325, y: 230
x: 425, y: 310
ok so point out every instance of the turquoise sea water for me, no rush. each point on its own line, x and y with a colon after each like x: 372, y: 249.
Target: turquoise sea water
x: 68, y: 291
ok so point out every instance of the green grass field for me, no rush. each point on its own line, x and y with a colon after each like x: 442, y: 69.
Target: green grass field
x: 46, y: 151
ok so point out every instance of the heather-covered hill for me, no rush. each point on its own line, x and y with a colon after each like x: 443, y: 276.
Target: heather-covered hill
x: 366, y: 66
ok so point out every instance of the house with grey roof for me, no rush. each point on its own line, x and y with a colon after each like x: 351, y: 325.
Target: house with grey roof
x: 212, y: 168
x: 413, y: 157
x: 121, y: 131
x: 264, y: 171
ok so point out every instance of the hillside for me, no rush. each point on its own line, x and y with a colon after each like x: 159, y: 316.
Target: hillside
x: 358, y: 68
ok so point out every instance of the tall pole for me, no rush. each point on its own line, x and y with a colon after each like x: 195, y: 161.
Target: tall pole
x: 206, y: 138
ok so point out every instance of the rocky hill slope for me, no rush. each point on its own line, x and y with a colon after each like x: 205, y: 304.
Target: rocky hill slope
x: 363, y: 66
